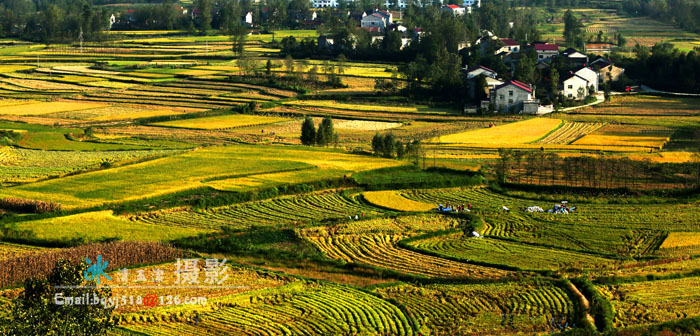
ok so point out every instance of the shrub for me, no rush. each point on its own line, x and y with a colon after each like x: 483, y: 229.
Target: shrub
x: 28, y: 205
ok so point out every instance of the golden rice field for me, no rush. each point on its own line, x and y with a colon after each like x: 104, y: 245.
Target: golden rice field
x: 681, y: 239
x: 647, y: 106
x: 391, y: 199
x: 223, y: 122
x: 99, y: 225
x: 521, y: 132
x: 365, y: 125
x: 10, y: 250
x: 628, y: 135
x: 353, y: 107
x: 47, y: 108
x: 195, y: 169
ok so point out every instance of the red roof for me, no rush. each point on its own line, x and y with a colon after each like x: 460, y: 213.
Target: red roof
x: 509, y: 42
x: 546, y: 47
x: 453, y: 6
x: 519, y: 84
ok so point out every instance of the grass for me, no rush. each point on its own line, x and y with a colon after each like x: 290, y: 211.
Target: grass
x: 224, y: 121
x: 521, y: 132
x: 156, y: 178
x: 96, y: 226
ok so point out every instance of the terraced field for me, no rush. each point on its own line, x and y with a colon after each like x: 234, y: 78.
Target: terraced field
x: 489, y: 309
x: 26, y: 165
x: 296, y: 309
x: 290, y: 210
x: 570, y: 132
x: 365, y: 242
x: 602, y: 229
x: 500, y: 252
x: 654, y: 301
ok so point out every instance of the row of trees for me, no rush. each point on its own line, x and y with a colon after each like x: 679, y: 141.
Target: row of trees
x: 665, y: 68
x: 544, y: 168
x: 386, y: 145
x: 324, y: 136
x: 52, y: 21
x: 684, y: 13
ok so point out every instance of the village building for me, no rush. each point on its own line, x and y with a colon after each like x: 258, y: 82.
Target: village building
x: 378, y: 19
x: 574, y: 57
x: 545, y: 51
x: 606, y: 70
x: 574, y: 86
x: 508, y: 45
x: 514, y: 96
x: 454, y: 10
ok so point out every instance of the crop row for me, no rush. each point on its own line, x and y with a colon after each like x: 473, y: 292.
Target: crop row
x: 570, y: 132
x: 529, y: 306
x: 296, y: 309
x: 654, y: 301
x: 494, y: 251
x: 279, y: 211
x: 382, y: 251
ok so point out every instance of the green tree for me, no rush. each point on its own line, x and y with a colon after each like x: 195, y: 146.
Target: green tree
x: 554, y: 82
x: 378, y: 144
x: 204, y: 7
x: 573, y: 30
x: 525, y: 70
x: 308, y: 132
x: 325, y: 134
x: 389, y: 145
x: 35, y: 311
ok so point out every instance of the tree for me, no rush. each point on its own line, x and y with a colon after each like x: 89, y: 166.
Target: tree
x: 621, y: 40
x: 289, y: 65
x: 389, y: 145
x: 525, y: 70
x: 308, y: 132
x: 312, y: 75
x: 204, y: 7
x: 573, y: 30
x: 35, y: 311
x: 268, y: 68
x: 554, y: 82
x: 238, y: 37
x: 378, y: 144
x: 325, y: 134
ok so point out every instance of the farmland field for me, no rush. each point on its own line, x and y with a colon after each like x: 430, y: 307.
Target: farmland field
x: 178, y: 158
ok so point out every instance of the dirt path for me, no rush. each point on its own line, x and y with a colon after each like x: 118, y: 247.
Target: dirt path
x: 583, y: 302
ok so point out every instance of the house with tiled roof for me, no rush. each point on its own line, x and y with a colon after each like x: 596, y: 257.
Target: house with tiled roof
x: 607, y: 71
x: 378, y: 18
x: 514, y: 96
x: 546, y: 51
x: 574, y: 56
x: 509, y: 45
x: 454, y: 9
x: 574, y: 86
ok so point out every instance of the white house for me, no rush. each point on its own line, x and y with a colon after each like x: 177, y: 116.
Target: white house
x: 508, y: 46
x: 574, y: 86
x: 514, y: 96
x: 378, y: 19
x: 589, y: 75
x: 454, y: 9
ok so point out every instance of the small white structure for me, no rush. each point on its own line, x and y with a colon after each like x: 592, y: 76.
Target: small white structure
x: 480, y: 70
x: 509, y: 46
x: 112, y: 20
x: 248, y: 19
